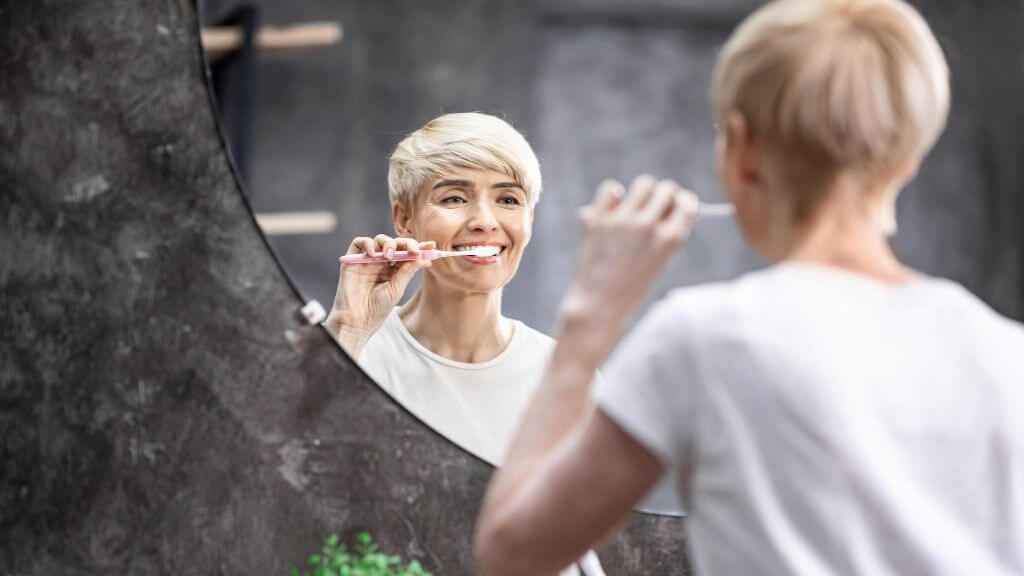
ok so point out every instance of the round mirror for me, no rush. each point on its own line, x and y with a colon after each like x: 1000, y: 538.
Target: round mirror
x: 598, y: 90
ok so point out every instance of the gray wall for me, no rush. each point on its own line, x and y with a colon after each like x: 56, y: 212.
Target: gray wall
x: 162, y: 408
x: 325, y: 120
x: 608, y: 89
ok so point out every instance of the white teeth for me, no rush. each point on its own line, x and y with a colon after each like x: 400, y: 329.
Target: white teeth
x: 480, y: 251
x: 465, y: 248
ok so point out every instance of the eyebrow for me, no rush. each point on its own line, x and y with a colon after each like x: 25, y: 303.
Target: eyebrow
x: 450, y: 182
x: 508, y: 185
x: 467, y: 183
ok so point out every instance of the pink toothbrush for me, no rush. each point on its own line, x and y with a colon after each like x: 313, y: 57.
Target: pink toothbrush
x: 402, y: 255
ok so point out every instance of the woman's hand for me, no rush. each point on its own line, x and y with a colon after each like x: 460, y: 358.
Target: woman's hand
x: 628, y: 240
x: 368, y: 292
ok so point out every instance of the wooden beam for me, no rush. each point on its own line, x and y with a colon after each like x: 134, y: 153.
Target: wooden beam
x: 286, y: 223
x: 218, y: 41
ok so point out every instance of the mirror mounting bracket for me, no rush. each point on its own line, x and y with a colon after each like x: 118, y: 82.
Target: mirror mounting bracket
x: 313, y: 312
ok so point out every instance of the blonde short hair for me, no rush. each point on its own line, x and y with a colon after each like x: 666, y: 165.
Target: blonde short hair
x: 465, y: 140
x: 836, y: 86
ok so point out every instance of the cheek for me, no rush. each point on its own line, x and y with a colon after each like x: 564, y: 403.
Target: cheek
x: 520, y: 227
x: 433, y: 225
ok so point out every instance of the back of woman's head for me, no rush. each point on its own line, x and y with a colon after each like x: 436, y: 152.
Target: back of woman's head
x: 858, y: 87
x: 461, y: 140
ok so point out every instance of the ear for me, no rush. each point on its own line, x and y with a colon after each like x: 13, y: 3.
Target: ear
x: 533, y: 211
x: 741, y: 154
x: 401, y: 217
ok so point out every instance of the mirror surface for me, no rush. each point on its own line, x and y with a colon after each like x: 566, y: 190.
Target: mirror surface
x: 599, y: 89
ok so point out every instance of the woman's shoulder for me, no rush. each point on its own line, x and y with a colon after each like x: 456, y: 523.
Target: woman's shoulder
x: 720, y: 307
x: 533, y: 339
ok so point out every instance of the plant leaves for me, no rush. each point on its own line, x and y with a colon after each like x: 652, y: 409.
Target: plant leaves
x: 367, y: 560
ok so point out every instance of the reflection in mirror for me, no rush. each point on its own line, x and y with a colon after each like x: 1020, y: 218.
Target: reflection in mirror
x: 462, y: 182
x: 601, y: 89
x: 322, y: 123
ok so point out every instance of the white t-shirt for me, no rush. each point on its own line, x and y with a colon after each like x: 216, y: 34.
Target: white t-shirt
x: 476, y: 405
x: 823, y: 423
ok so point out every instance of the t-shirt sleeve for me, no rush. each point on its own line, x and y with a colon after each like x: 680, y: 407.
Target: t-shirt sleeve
x: 649, y: 385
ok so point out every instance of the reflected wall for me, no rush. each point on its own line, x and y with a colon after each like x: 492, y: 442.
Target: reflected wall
x: 606, y: 89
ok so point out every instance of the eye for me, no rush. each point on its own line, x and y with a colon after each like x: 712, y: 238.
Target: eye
x: 453, y: 200
x: 509, y: 199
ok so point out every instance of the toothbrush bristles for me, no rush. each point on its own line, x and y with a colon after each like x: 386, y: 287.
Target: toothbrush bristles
x: 485, y: 251
x: 478, y: 252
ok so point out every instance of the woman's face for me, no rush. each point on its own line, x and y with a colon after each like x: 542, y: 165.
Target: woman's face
x: 469, y: 207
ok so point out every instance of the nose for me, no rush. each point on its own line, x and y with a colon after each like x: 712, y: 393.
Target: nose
x: 482, y: 218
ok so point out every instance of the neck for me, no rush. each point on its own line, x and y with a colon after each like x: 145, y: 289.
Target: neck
x: 849, y: 231
x: 465, y: 327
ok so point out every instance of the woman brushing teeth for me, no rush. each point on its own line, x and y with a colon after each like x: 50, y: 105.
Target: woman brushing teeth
x: 460, y: 183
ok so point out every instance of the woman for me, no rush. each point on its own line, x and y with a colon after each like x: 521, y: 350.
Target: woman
x: 448, y: 354
x: 836, y: 413
x: 463, y: 180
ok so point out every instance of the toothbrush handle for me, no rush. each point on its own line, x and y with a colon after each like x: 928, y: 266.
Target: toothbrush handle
x: 712, y: 209
x: 400, y: 256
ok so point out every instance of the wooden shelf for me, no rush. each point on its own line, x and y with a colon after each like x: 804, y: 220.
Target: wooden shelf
x: 218, y: 41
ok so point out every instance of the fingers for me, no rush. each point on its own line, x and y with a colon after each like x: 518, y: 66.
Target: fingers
x: 410, y: 245
x: 648, y: 197
x: 370, y: 246
x: 608, y: 195
x: 663, y: 208
x: 683, y: 212
x: 661, y: 201
x: 361, y: 245
x: 385, y: 245
x: 640, y: 191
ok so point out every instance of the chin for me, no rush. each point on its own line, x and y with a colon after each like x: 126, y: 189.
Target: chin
x: 478, y: 283
x: 485, y: 286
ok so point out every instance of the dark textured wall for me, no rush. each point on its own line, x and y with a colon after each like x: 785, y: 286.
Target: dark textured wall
x: 162, y: 410
x: 609, y: 88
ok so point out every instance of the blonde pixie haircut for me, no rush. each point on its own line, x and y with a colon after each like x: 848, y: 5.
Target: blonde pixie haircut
x: 855, y: 87
x: 464, y: 140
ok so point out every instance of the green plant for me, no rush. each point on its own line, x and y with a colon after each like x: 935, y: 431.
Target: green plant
x: 365, y: 560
